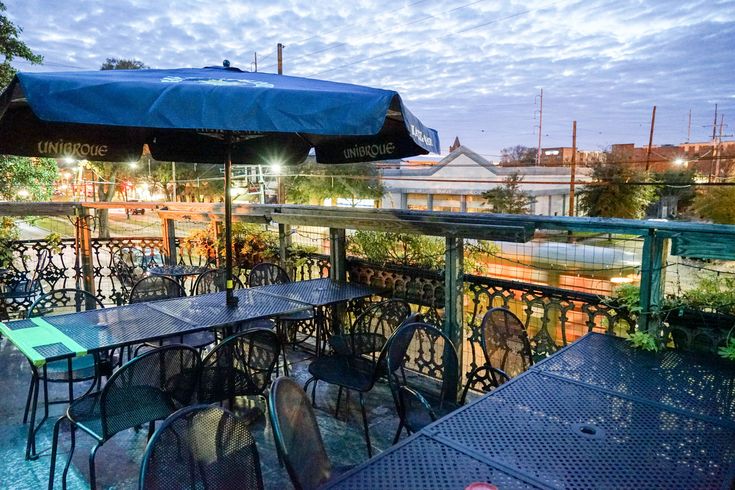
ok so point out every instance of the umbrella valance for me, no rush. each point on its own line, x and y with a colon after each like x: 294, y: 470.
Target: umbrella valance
x: 264, y: 117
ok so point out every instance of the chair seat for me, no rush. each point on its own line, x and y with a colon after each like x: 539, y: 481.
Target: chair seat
x: 196, y: 339
x: 152, y: 404
x: 219, y: 383
x: 418, y: 418
x: 349, y: 372
x: 299, y: 316
x: 82, y: 368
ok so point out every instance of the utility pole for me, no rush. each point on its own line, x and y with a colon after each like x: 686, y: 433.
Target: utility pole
x: 281, y: 189
x: 714, y: 148
x: 650, y: 140
x: 280, y: 58
x: 573, y: 175
x: 255, y: 60
x: 689, y: 127
x: 540, y: 126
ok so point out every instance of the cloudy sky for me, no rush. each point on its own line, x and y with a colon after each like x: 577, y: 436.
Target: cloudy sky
x: 468, y: 68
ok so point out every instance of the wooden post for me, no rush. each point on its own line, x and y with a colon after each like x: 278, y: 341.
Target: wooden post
x: 652, y: 282
x: 284, y: 244
x: 338, y: 254
x: 169, y: 240
x: 84, y: 248
x: 453, y: 300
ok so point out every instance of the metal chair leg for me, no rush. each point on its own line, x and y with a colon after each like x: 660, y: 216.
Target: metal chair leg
x: 339, y: 397
x: 92, y: 474
x: 365, y: 425
x: 54, y: 448
x: 31, y: 441
x: 398, y: 432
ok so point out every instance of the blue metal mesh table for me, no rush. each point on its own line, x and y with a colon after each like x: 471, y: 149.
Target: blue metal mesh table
x: 53, y: 338
x: 598, y: 414
x: 320, y: 294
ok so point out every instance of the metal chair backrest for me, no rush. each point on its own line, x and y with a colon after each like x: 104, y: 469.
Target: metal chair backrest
x: 201, y: 446
x: 371, y: 330
x: 297, y: 435
x: 127, y: 264
x: 267, y: 273
x: 59, y: 301
x: 505, y: 342
x: 214, y: 281
x: 423, y: 371
x: 149, y: 387
x: 154, y: 288
x: 240, y: 365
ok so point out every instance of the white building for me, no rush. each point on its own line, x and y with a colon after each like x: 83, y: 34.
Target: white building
x: 456, y: 182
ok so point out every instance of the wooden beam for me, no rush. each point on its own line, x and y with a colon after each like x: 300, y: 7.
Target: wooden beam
x: 24, y: 208
x: 168, y: 230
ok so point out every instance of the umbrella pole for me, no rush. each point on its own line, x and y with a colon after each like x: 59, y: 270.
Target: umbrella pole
x: 231, y: 300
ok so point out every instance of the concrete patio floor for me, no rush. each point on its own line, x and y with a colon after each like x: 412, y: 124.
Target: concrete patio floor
x: 118, y: 460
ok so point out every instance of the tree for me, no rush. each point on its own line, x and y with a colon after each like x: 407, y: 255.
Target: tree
x: 612, y: 195
x: 314, y: 182
x: 517, y: 156
x: 509, y: 198
x: 716, y: 204
x: 12, y: 47
x: 109, y: 174
x: 27, y: 178
x: 123, y: 64
x: 678, y: 186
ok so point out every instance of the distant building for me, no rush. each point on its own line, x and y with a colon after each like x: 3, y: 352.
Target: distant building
x: 562, y: 157
x: 456, y: 182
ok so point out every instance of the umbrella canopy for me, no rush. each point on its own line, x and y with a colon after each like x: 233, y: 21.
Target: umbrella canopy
x: 208, y: 115
x: 186, y: 114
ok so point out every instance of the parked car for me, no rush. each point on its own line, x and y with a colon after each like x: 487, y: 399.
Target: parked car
x: 136, y: 210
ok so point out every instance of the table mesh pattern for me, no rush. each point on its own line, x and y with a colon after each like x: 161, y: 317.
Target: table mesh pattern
x: 210, y: 309
x: 319, y: 292
x: 112, y: 327
x: 20, y: 324
x: 705, y: 386
x: 573, y: 436
x: 53, y: 350
x: 426, y: 464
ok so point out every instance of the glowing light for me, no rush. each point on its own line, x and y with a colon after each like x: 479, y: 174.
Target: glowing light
x: 680, y: 161
x: 23, y: 193
x: 133, y: 164
x: 621, y: 280
x: 68, y: 160
x: 276, y: 169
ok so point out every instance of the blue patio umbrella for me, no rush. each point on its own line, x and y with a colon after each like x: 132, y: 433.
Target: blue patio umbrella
x: 216, y: 115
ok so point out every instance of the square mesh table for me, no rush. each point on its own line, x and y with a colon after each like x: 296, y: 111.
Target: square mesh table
x: 320, y: 294
x: 704, y: 385
x: 595, y: 415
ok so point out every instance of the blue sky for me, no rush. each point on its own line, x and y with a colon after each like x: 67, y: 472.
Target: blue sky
x: 468, y: 68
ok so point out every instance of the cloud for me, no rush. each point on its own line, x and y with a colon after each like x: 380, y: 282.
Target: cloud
x: 472, y: 69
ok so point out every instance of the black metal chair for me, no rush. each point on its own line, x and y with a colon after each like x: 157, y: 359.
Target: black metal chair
x: 298, y: 440
x: 127, y: 264
x: 241, y: 365
x: 201, y: 446
x: 213, y: 281
x: 288, y: 326
x: 416, y: 353
x: 21, y: 290
x: 358, y: 359
x: 156, y: 288
x: 77, y: 369
x: 505, y: 342
x: 148, y: 388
